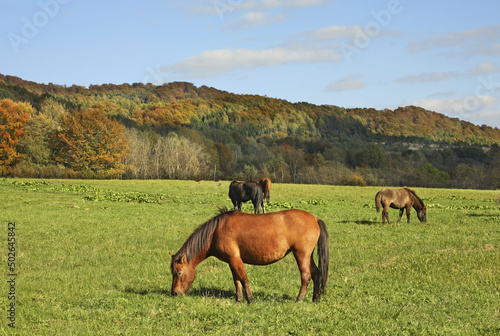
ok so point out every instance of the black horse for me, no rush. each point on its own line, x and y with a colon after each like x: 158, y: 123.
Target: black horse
x: 245, y: 191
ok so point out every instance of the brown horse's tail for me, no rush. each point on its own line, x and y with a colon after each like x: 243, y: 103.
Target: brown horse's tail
x: 323, y: 249
x: 378, y: 201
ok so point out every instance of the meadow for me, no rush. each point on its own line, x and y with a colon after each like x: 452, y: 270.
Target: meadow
x: 92, y: 258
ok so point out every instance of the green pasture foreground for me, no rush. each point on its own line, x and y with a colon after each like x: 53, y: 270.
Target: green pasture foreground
x: 92, y: 258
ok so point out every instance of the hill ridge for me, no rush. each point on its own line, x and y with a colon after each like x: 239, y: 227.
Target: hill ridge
x: 185, y: 99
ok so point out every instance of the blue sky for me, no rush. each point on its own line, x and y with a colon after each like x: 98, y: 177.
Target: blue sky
x: 442, y: 55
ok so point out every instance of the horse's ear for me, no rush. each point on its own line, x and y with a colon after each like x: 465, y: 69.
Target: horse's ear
x: 183, y: 259
x: 171, y: 254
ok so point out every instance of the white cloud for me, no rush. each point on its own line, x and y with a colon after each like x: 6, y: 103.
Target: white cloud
x: 333, y: 32
x: 351, y: 82
x: 269, y: 4
x: 442, y: 94
x: 483, y: 109
x: 469, y: 42
x: 490, y: 117
x: 308, y: 3
x: 256, y: 19
x: 214, y: 62
x: 222, y: 7
x: 342, y: 32
x: 484, y: 69
x: 426, y: 77
x: 415, y: 47
x: 458, y: 106
x: 479, y: 70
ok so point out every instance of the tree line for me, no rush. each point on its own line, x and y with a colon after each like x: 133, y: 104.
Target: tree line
x: 178, y: 131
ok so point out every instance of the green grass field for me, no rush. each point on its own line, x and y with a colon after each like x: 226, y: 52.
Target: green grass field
x: 92, y: 259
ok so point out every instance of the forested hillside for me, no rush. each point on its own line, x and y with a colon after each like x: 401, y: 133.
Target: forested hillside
x: 181, y: 131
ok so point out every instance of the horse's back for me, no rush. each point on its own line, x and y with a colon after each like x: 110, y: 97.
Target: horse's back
x: 395, y: 198
x: 244, y: 191
x: 388, y: 192
x: 280, y: 221
x: 266, y: 238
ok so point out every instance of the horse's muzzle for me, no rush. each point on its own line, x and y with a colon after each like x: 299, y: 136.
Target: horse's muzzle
x: 177, y: 293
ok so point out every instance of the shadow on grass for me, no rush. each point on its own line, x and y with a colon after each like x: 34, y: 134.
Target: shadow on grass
x: 201, y: 292
x: 483, y: 215
x: 226, y: 294
x: 359, y: 222
x: 160, y: 291
x: 213, y: 292
x: 260, y: 296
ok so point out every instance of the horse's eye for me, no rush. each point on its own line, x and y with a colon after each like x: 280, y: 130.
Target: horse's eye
x: 179, y: 273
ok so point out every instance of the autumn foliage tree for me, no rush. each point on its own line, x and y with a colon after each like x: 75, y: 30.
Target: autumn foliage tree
x: 12, y: 122
x: 91, y: 143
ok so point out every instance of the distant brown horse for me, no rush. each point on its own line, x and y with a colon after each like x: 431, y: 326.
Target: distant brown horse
x: 266, y: 184
x: 239, y: 238
x: 400, y: 199
x: 240, y: 192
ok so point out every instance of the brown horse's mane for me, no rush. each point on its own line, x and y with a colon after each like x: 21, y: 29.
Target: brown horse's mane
x: 412, y: 192
x: 201, y: 237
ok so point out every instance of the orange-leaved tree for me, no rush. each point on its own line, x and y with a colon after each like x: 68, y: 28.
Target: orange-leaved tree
x: 91, y: 143
x: 12, y: 121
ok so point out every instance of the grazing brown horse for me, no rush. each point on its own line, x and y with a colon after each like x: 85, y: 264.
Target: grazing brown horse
x: 239, y: 238
x: 240, y: 192
x: 400, y: 199
x: 266, y: 184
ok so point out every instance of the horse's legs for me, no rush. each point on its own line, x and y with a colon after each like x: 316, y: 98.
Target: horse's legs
x: 256, y: 206
x: 316, y: 280
x: 240, y: 278
x: 385, y: 214
x: 305, y: 268
x: 401, y: 214
x: 237, y: 284
x: 408, y: 212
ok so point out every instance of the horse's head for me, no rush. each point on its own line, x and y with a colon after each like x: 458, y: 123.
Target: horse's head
x: 422, y: 214
x: 183, y: 274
